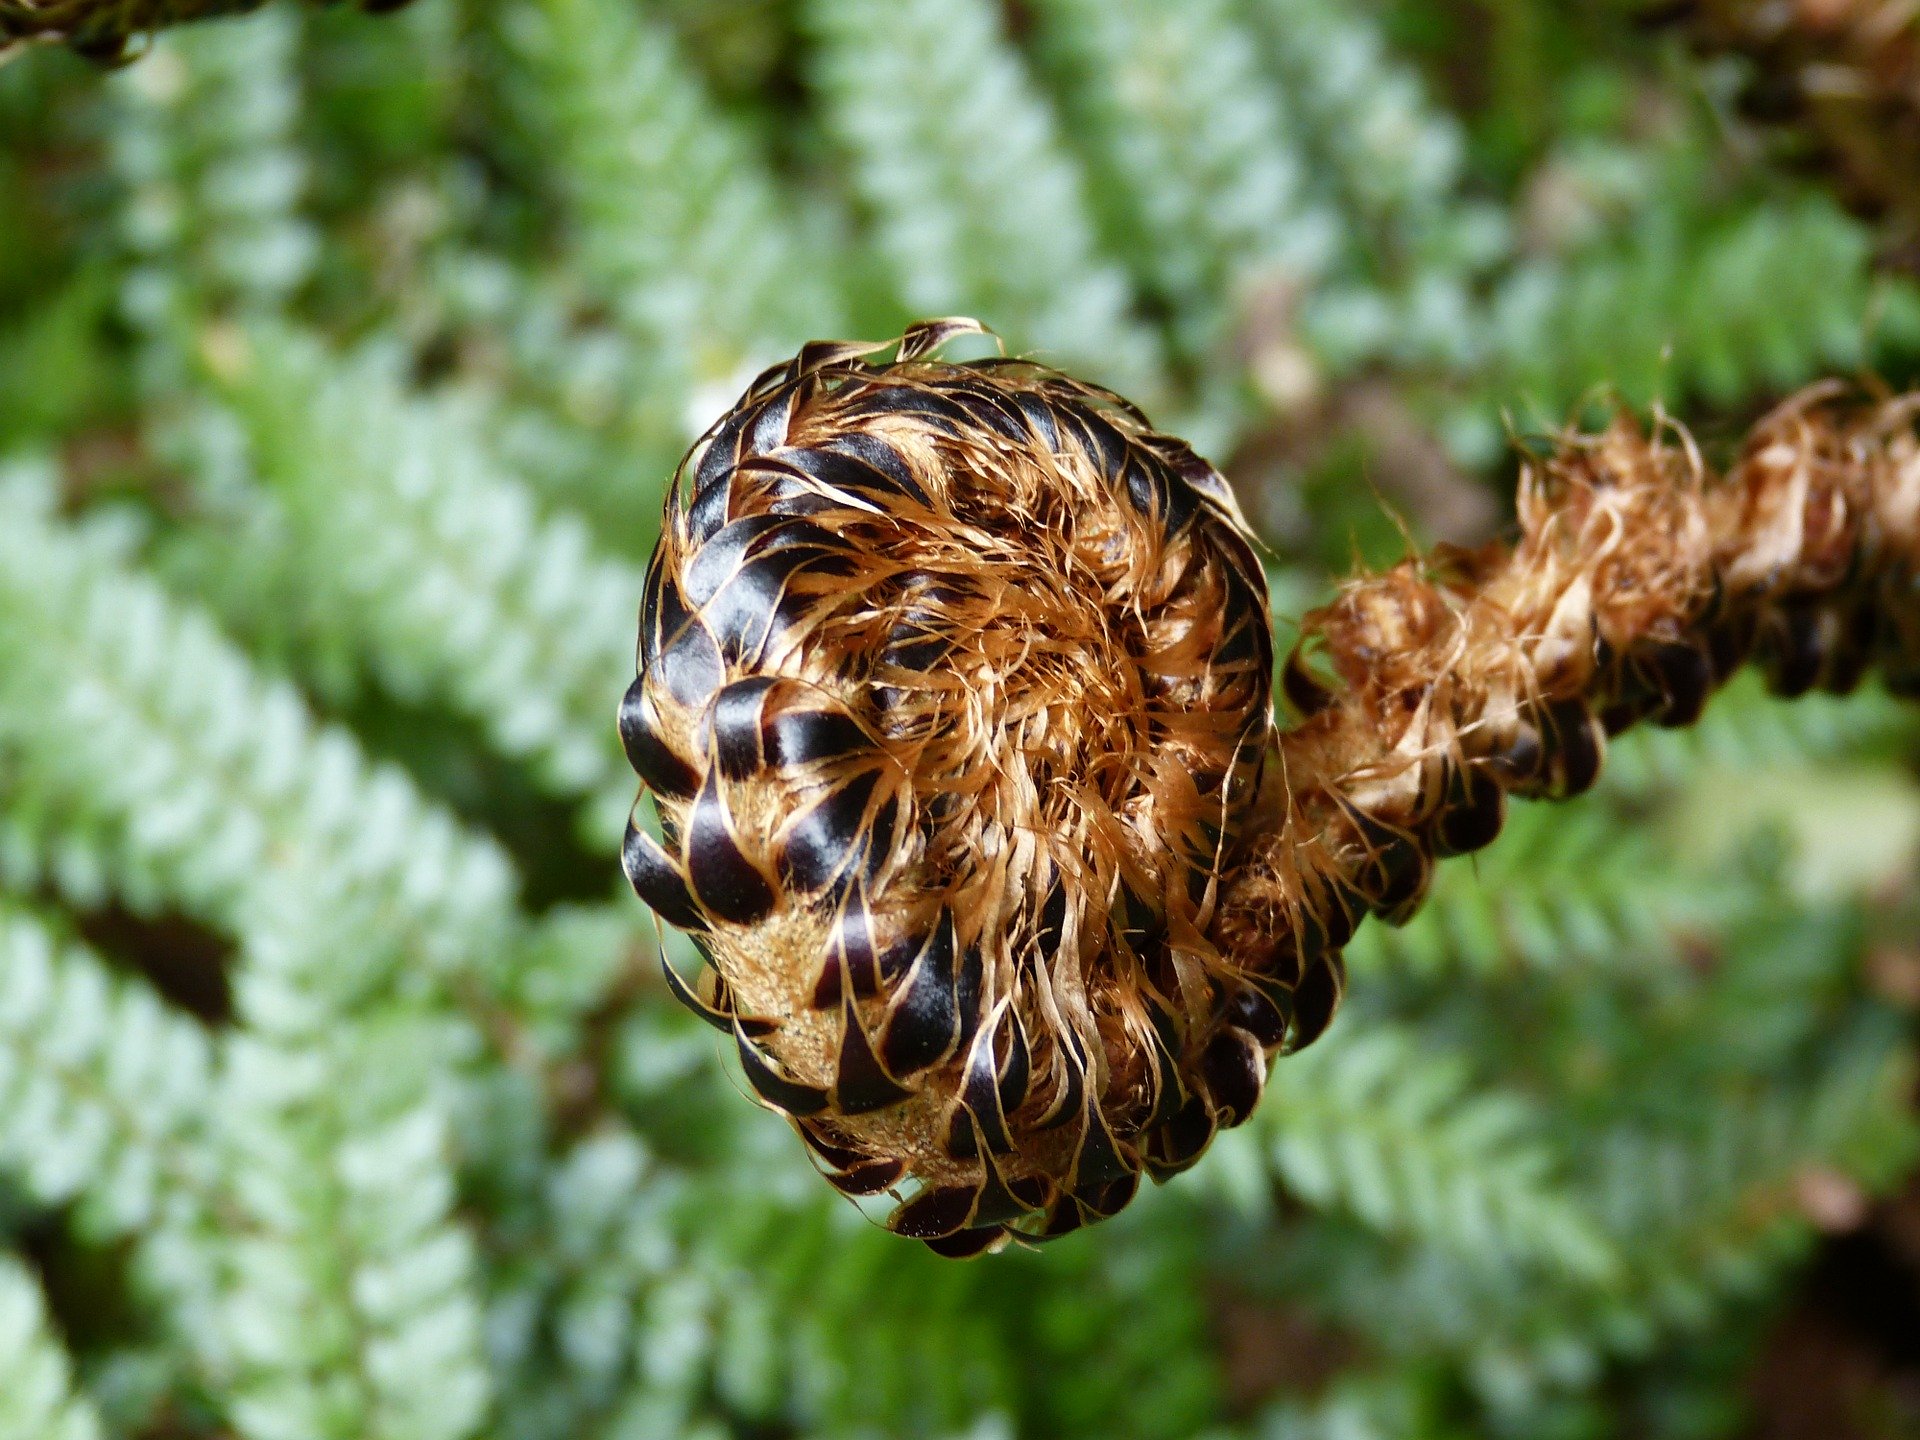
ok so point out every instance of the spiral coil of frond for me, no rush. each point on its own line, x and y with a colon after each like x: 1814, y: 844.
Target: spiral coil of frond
x: 954, y: 692
x: 954, y: 703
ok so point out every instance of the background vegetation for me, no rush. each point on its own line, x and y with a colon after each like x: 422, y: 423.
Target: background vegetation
x: 342, y: 361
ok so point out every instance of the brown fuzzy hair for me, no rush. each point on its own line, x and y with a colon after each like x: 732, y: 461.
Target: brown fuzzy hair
x: 954, y: 702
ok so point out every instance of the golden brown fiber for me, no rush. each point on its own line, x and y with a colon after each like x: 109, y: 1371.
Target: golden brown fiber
x: 954, y: 703
x: 1638, y: 585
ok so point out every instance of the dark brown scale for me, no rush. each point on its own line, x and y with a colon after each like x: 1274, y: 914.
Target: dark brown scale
x: 664, y: 772
x: 719, y: 1014
x: 1140, y: 925
x: 1316, y: 999
x: 1683, y: 676
x: 1180, y: 1142
x: 719, y: 558
x: 1053, y: 922
x: 872, y: 472
x: 773, y: 1087
x: 980, y: 1093
x: 828, y: 835
x: 1016, y: 1066
x: 736, y: 727
x: 1261, y: 1015
x: 961, y: 1142
x: 861, y: 1082
x: 877, y: 455
x: 1235, y: 1070
x: 967, y: 1244
x: 1330, y: 924
x: 1098, y: 1160
x: 1577, y: 748
x: 1475, y: 812
x: 869, y: 1178
x: 1394, y: 874
x: 1856, y: 644
x: 995, y: 1200
x: 936, y: 410
x: 762, y: 600
x: 924, y: 1023
x: 831, y: 1147
x: 1064, y: 1217
x: 1070, y: 1096
x: 912, y: 645
x: 691, y: 666
x: 800, y: 738
x: 708, y: 512
x: 657, y: 880
x: 935, y: 1214
x: 831, y: 985
x: 854, y: 947
x: 1519, y: 765
x: 726, y: 883
x: 1168, y: 1091
x: 1110, y: 1199
x: 1303, y: 689
x: 1792, y: 649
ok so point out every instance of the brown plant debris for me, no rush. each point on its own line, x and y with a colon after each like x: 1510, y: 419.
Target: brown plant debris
x: 1846, y: 74
x: 106, y: 30
x: 954, y: 703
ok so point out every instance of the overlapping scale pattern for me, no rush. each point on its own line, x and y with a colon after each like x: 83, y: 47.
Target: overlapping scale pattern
x: 954, y: 703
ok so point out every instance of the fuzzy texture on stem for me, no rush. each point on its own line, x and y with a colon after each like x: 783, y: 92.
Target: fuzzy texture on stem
x: 1638, y: 585
x: 954, y: 702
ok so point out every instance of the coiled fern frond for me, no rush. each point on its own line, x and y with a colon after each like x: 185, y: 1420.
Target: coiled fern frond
x: 954, y: 703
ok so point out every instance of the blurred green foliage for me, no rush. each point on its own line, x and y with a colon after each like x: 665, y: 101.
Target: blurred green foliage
x: 342, y: 364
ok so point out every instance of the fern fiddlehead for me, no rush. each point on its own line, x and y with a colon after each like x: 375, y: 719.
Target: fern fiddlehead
x: 953, y: 702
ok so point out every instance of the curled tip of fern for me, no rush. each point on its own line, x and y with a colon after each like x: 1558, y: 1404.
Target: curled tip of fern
x: 954, y: 702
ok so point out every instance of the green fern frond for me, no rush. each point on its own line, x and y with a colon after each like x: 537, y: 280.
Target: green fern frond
x: 1393, y: 157
x: 554, y: 381
x: 352, y: 1308
x: 976, y: 204
x: 154, y: 745
x: 1386, y: 1406
x: 675, y: 218
x: 103, y: 1089
x: 1561, y: 887
x: 1202, y: 178
x: 1395, y: 1131
x: 38, y: 1397
x: 1392, y: 163
x: 395, y: 541
x: 1706, y: 1222
x: 1720, y: 307
x: 201, y: 138
x: 143, y: 753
